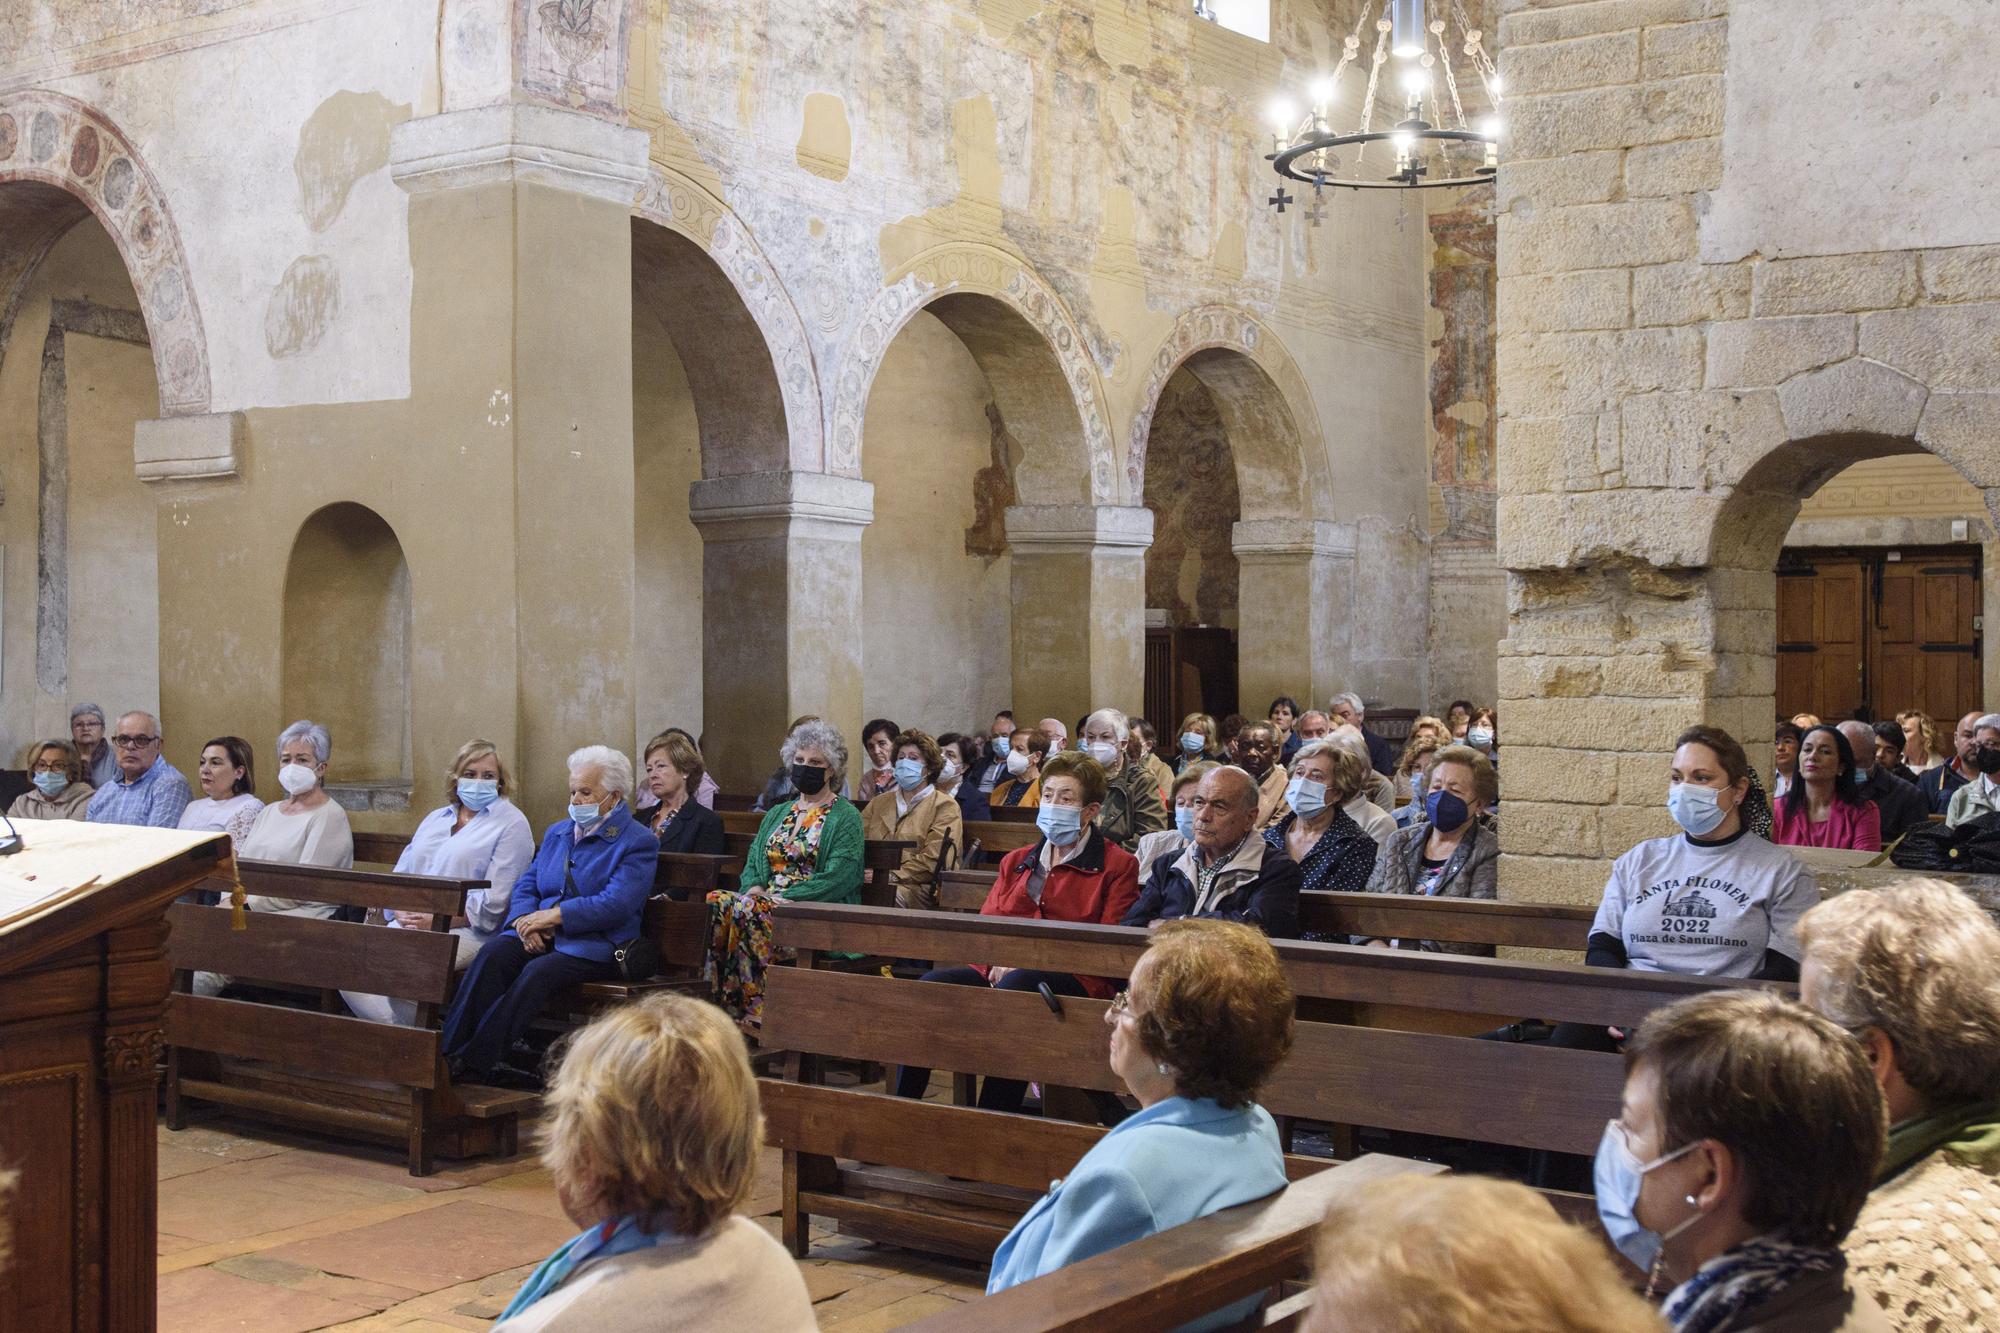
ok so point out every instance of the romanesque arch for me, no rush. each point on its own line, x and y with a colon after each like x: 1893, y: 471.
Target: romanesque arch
x: 50, y: 140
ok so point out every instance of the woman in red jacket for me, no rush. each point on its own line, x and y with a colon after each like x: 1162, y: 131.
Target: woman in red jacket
x: 1072, y: 874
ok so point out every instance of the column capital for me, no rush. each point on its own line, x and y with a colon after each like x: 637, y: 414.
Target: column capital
x: 519, y: 142
x: 767, y: 504
x: 1285, y: 538
x: 1079, y: 529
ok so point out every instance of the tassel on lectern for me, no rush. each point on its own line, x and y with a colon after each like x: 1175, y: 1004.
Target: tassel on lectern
x: 238, y: 917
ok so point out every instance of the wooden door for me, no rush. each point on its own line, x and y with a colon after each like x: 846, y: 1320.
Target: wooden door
x: 1924, y: 651
x: 1189, y: 670
x: 1821, y: 653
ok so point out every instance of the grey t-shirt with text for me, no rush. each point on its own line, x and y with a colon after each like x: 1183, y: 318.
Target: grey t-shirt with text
x: 1708, y: 911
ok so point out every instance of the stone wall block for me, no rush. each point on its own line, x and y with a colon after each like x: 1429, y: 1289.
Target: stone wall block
x: 1659, y: 527
x: 1550, y: 827
x: 1620, y: 235
x: 1745, y: 674
x: 1609, y: 58
x: 1742, y: 589
x: 1621, y: 827
x: 1656, y: 676
x: 1825, y: 284
x: 1856, y: 396
x: 1566, y: 374
x: 1550, y: 879
x: 1551, y: 124
x: 1555, y: 23
x: 1550, y: 182
x: 1698, y: 438
x: 1688, y: 167
x: 1755, y: 352
x: 1964, y: 430
x: 1745, y: 631
x: 1946, y: 347
x: 1690, y: 293
x: 1563, y: 302
x: 1643, y: 777
x: 1965, y: 273
x: 1685, y: 48
x: 1578, y: 777
x: 1552, y: 677
x: 1602, y: 723
x: 1536, y: 453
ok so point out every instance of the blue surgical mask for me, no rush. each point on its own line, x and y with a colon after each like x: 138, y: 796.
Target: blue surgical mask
x: 1307, y: 797
x: 1193, y: 741
x: 477, y: 793
x: 1445, y: 811
x: 1060, y: 824
x: 585, y: 815
x: 1617, y: 1175
x: 1480, y: 738
x: 52, y: 784
x: 909, y: 774
x: 1002, y: 744
x: 1695, y: 808
x: 1184, y: 821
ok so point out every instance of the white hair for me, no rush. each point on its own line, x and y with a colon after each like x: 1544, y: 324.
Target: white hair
x: 307, y: 731
x: 87, y: 710
x: 614, y: 770
x: 821, y: 736
x: 1348, y: 737
x: 1989, y: 720
x: 1120, y: 724
x: 1352, y: 700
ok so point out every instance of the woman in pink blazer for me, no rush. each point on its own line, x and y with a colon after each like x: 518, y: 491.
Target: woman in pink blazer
x: 1823, y: 808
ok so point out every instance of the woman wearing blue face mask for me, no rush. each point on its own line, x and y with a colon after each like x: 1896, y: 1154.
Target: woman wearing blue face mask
x: 1744, y: 1149
x: 1448, y: 852
x: 477, y: 834
x: 1335, y: 854
x: 1197, y: 741
x: 59, y: 791
x: 1175, y: 839
x: 1073, y: 873
x: 916, y: 811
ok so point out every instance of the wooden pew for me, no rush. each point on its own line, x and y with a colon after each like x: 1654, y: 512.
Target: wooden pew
x: 1339, y: 1073
x: 379, y: 848
x: 676, y: 921
x: 994, y: 839
x: 326, y: 1069
x: 1181, y: 1273
x: 1013, y: 814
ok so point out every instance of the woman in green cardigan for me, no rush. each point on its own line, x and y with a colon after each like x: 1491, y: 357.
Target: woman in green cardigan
x: 808, y: 849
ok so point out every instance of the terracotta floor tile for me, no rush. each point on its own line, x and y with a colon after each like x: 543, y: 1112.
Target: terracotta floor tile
x: 525, y: 1191
x: 163, y: 1243
x: 825, y: 1281
x: 203, y: 1300
x: 281, y: 1273
x: 439, y: 1247
x: 248, y: 1198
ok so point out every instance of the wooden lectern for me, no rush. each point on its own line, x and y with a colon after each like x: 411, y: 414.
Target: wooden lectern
x: 83, y: 981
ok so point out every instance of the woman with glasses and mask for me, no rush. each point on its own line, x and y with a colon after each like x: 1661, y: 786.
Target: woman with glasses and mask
x: 1747, y: 1140
x: 1072, y: 873
x: 1981, y: 796
x: 59, y: 791
x: 1448, y: 852
x: 808, y: 849
x: 917, y: 811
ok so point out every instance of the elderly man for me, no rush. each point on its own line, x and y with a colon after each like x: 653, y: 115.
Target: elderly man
x: 148, y: 790
x: 1255, y: 750
x: 1909, y: 970
x: 999, y: 740
x: 1057, y: 733
x: 1981, y: 796
x: 1312, y: 725
x: 1228, y: 871
x: 86, y: 729
x: 1132, y: 806
x: 1937, y: 784
x: 1349, y: 709
x: 1901, y: 804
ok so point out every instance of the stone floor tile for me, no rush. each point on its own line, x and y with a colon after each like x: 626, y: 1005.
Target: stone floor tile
x: 177, y: 1161
x: 911, y: 1307
x: 224, y: 1142
x: 530, y: 1191
x: 270, y: 1193
x: 164, y: 1243
x: 457, y: 1242
x: 204, y: 1300
x: 282, y: 1273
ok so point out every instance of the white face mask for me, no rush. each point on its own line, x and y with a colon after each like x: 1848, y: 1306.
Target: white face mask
x: 1102, y: 751
x: 297, y: 779
x: 1017, y: 762
x: 949, y: 771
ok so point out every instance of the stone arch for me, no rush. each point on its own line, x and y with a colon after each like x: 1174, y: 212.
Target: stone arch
x: 685, y: 209
x: 1036, y: 361
x: 1266, y: 406
x: 347, y: 639
x: 54, y: 140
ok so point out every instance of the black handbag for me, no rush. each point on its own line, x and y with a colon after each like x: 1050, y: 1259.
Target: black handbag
x: 1972, y: 848
x: 637, y: 959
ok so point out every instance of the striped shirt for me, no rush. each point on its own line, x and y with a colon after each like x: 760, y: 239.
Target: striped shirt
x: 155, y: 798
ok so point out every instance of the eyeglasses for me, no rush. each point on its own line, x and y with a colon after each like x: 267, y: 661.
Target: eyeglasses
x: 1121, y: 1005
x: 133, y: 742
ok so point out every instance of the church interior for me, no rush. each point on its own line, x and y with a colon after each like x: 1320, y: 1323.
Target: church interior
x: 676, y: 663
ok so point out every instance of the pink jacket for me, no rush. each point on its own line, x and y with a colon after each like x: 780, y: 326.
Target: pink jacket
x: 1857, y: 826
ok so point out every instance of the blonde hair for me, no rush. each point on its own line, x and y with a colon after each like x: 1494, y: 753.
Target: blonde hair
x: 1920, y: 962
x: 471, y: 750
x: 1926, y: 729
x: 1190, y: 775
x: 653, y: 1111
x: 72, y: 762
x: 681, y: 753
x: 1465, y: 1254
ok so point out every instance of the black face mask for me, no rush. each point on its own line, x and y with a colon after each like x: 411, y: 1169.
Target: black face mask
x: 1986, y: 759
x: 808, y: 778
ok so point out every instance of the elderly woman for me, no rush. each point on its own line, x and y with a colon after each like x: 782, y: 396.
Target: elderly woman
x: 959, y: 757
x: 93, y: 748
x: 228, y: 802
x: 1185, y: 802
x: 1198, y: 741
x: 916, y: 811
x: 808, y: 849
x: 651, y: 1133
x: 1447, y: 853
x: 1911, y: 971
x: 1784, y: 758
x: 1426, y: 735
x: 878, y: 742
x: 1749, y: 1132
x: 1334, y: 853
x: 477, y: 834
x: 1132, y: 806
x: 1022, y: 786
x: 1825, y: 808
x: 578, y: 900
x: 308, y: 827
x: 1371, y: 806
x: 674, y: 772
x: 1206, y: 1020
x: 59, y: 791
x: 1464, y: 1254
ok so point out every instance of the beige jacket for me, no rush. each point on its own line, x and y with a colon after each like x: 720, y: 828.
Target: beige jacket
x: 1928, y: 1245
x: 932, y: 818
x: 68, y: 804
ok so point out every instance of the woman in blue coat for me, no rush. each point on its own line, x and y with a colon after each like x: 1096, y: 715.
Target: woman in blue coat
x: 1207, y: 1018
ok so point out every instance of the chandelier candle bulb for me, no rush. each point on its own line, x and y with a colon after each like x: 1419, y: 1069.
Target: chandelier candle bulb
x: 1407, y: 22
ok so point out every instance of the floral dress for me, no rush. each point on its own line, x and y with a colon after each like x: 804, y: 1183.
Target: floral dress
x: 739, y: 947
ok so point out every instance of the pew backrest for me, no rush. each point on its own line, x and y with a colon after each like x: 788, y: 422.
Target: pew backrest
x: 1453, y: 920
x: 380, y: 848
x: 375, y: 890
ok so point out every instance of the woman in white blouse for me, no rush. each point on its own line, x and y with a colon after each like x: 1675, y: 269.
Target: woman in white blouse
x: 306, y: 828
x: 228, y: 803
x: 478, y: 834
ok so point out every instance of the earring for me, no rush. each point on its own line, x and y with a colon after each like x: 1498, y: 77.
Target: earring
x: 1162, y: 1067
x: 1690, y: 1198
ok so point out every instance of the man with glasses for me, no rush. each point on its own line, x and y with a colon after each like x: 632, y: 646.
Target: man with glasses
x: 149, y: 791
x: 1938, y: 784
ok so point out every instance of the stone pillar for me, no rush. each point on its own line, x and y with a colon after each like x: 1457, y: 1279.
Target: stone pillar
x: 1294, y: 604
x: 781, y: 596
x: 521, y: 364
x: 1079, y: 575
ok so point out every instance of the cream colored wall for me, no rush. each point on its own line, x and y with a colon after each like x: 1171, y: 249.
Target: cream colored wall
x: 346, y: 657
x: 667, y: 603
x: 935, y: 619
x: 1906, y: 486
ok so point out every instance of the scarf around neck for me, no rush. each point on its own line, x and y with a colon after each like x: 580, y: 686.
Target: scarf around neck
x: 621, y: 1235
x: 1969, y: 1130
x: 1742, y: 1279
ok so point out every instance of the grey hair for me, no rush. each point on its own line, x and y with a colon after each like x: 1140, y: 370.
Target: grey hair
x: 1119, y: 722
x: 1349, y: 698
x: 821, y: 736
x: 614, y: 770
x: 87, y: 710
x: 1989, y: 720
x: 307, y: 731
x: 1349, y: 739
x: 1314, y: 712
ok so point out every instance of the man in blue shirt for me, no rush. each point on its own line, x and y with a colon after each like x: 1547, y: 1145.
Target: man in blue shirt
x: 149, y: 791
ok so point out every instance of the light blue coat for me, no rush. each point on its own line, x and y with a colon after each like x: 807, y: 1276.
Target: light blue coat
x: 1173, y: 1162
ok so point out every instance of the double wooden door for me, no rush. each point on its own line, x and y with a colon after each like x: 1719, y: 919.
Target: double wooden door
x: 1869, y: 633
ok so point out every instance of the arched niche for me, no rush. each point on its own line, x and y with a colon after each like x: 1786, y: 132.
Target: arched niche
x: 347, y: 641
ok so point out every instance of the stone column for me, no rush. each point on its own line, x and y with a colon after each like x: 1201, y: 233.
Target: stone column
x: 1294, y: 604
x: 781, y: 598
x: 1079, y: 575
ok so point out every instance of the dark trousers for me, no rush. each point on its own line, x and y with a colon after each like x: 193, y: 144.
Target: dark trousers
x: 1004, y: 1094
x: 503, y: 993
